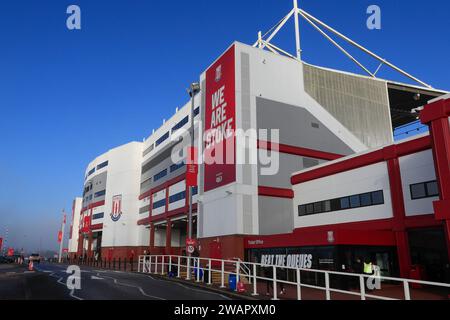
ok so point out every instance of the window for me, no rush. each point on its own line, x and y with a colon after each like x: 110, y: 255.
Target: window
x: 175, y: 167
x: 91, y: 171
x: 196, y: 111
x: 159, y: 204
x: 355, y: 202
x: 377, y: 198
x: 194, y: 191
x: 345, y: 203
x: 177, y: 197
x: 424, y: 190
x: 338, y: 204
x: 102, y: 165
x: 162, y: 139
x: 180, y: 124
x: 99, y: 194
x: 366, y: 200
x: 160, y: 175
x: 98, y: 216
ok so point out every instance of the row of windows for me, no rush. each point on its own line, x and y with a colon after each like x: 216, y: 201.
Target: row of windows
x: 102, y: 165
x: 424, y: 190
x: 350, y: 202
x: 98, y: 216
x: 160, y: 175
x: 159, y: 204
x: 100, y: 194
x: 163, y: 138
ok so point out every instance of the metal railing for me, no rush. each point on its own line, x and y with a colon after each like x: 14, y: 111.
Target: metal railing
x: 328, y: 282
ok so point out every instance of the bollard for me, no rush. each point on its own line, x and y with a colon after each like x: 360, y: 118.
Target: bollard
x: 125, y: 264
x: 119, y: 264
x: 114, y: 264
x: 131, y: 264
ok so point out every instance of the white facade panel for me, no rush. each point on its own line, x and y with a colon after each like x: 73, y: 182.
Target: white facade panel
x: 367, y: 179
x: 417, y: 168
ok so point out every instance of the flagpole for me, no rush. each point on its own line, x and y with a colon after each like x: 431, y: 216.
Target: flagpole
x: 61, y: 244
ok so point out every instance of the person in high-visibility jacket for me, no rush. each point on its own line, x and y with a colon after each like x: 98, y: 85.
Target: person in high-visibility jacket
x: 368, y: 267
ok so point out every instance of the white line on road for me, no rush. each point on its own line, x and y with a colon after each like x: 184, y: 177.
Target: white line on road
x: 137, y: 287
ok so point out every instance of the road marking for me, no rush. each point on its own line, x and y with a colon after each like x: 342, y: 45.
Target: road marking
x: 96, y: 278
x: 9, y: 273
x: 137, y: 287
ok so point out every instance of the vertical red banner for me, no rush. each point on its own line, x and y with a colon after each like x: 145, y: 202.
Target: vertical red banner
x: 191, y: 167
x: 220, y: 122
x: 1, y: 244
x: 59, y: 236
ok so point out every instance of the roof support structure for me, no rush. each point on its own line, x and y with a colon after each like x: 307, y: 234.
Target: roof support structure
x: 317, y: 24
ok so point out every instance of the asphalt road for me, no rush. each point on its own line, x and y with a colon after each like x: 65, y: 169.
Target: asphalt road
x: 48, y: 282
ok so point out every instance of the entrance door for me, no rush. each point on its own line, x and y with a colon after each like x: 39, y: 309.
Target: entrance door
x: 429, y: 249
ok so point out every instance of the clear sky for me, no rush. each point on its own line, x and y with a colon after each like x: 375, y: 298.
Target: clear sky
x: 68, y: 96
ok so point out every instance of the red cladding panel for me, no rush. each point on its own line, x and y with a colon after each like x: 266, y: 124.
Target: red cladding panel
x: 220, y: 122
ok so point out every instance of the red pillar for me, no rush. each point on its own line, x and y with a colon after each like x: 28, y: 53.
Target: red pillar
x: 398, y: 209
x: 169, y: 237
x: 436, y: 116
x: 152, y: 238
x: 89, y: 251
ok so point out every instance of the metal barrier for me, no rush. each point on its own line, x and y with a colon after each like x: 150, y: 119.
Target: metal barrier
x: 322, y: 280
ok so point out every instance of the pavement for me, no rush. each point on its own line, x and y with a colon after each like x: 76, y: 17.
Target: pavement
x: 49, y: 282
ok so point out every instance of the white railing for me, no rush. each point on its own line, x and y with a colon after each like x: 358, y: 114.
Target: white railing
x: 178, y: 265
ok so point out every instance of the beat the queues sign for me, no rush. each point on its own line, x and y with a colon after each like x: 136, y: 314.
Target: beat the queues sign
x: 220, y: 122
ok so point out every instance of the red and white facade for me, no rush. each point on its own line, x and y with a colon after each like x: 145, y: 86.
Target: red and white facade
x: 333, y: 128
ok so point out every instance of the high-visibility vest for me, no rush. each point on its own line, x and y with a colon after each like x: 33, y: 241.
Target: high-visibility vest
x: 368, y: 267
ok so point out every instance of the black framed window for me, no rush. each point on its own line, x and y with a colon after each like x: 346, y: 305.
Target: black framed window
x: 98, y: 216
x: 424, y: 190
x: 102, y: 165
x: 177, y: 197
x: 344, y: 203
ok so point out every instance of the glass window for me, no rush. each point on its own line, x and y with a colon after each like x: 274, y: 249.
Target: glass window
x: 102, y: 165
x: 160, y: 175
x: 418, y: 191
x: 377, y: 197
x: 345, y: 203
x: 100, y: 193
x: 366, y: 200
x: 302, y: 210
x: 355, y: 202
x: 180, y: 124
x: 194, y: 191
x: 175, y: 167
x: 162, y: 139
x: 309, y: 209
x: 98, y: 216
x: 318, y: 207
x: 177, y: 197
x: 432, y: 189
x: 91, y: 171
x: 196, y: 111
x: 327, y: 206
x: 159, y: 204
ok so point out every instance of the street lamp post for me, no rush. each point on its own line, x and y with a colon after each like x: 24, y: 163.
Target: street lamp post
x: 193, y: 90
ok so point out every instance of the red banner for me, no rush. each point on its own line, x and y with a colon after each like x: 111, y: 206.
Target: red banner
x: 10, y: 252
x: 220, y: 122
x: 59, y: 236
x: 1, y: 244
x: 86, y: 224
x: 191, y: 167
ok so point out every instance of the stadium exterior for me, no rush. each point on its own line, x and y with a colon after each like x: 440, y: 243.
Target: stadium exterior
x: 326, y: 180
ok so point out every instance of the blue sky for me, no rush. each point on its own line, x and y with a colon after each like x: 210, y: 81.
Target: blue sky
x: 67, y: 96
